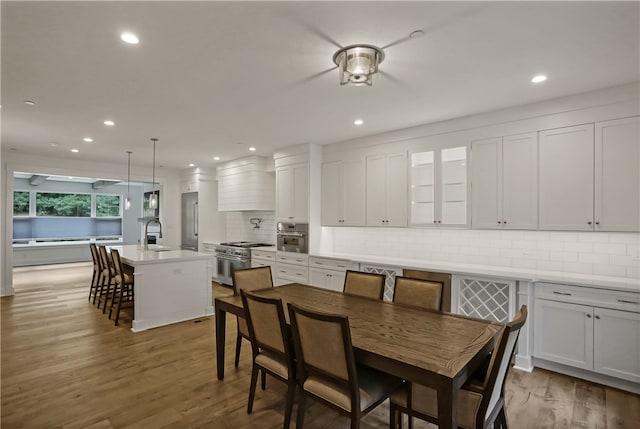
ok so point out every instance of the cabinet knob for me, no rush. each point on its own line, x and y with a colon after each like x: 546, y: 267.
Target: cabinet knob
x: 504, y: 222
x: 290, y: 217
x: 435, y: 221
x: 499, y: 222
x: 588, y: 316
x: 439, y: 221
x: 597, y: 223
x: 597, y: 317
x: 589, y: 223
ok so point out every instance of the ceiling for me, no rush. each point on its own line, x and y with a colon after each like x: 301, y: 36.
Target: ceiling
x: 214, y: 78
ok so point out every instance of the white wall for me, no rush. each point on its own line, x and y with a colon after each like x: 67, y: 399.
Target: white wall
x: 15, y: 161
x: 239, y: 228
x: 614, y: 254
x: 611, y: 254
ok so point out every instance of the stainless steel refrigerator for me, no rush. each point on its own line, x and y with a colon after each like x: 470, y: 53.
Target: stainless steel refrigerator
x: 190, y: 221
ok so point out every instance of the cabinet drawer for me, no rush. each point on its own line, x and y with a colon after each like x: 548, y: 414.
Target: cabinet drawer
x: 292, y: 258
x: 294, y: 273
x: 208, y: 247
x: 604, y: 298
x: 263, y: 255
x: 332, y: 264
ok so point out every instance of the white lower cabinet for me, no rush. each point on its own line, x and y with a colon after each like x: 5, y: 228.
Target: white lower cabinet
x: 329, y: 273
x: 571, y: 332
x: 263, y: 258
x: 291, y: 268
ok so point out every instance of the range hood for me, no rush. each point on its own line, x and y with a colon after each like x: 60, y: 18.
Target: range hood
x: 246, y: 184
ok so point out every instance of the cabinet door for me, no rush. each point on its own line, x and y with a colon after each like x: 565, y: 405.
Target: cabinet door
x: 520, y: 181
x: 564, y: 333
x: 485, y: 183
x: 353, y: 187
x: 376, y: 184
x: 396, y: 190
x: 617, y: 344
x: 284, y: 193
x: 326, y: 279
x: 332, y: 193
x: 617, y: 194
x: 300, y: 193
x: 566, y: 178
x: 453, y: 186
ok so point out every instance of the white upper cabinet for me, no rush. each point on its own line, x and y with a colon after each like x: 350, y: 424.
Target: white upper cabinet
x: 439, y: 187
x: 504, y: 182
x: 292, y: 193
x: 589, y: 178
x: 566, y: 178
x: 617, y: 175
x: 343, y: 193
x: 386, y: 190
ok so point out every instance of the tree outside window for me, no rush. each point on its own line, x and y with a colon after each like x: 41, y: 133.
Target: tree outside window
x: 64, y: 205
x: 21, y: 203
x: 107, y: 205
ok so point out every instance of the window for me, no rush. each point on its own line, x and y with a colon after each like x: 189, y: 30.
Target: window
x: 107, y: 205
x: 21, y: 203
x: 63, y: 205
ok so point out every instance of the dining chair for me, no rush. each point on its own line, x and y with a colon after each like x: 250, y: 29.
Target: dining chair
x: 107, y: 285
x: 369, y: 285
x: 123, y: 290
x: 95, y: 278
x: 479, y: 405
x: 248, y: 279
x: 418, y: 293
x: 327, y: 370
x: 271, y: 344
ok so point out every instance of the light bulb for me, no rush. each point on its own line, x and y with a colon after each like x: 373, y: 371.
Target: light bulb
x: 127, y: 203
x: 153, y: 201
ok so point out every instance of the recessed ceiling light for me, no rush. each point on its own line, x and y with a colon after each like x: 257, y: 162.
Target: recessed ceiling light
x: 358, y: 122
x: 130, y: 38
x: 54, y: 144
x: 192, y: 165
x: 87, y: 140
x: 75, y: 150
x: 252, y: 149
x: 539, y: 78
x: 416, y: 33
x: 216, y: 158
x: 109, y: 123
x: 29, y: 103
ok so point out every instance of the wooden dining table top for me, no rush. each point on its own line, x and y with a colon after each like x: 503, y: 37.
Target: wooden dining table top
x: 414, y: 343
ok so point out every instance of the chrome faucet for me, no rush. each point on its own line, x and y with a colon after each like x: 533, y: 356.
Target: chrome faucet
x: 146, y: 227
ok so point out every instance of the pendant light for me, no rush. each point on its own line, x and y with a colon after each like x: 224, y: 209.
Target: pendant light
x: 127, y: 200
x: 153, y: 199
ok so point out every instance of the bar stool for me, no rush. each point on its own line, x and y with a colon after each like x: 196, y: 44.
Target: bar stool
x: 107, y: 284
x: 95, y: 278
x: 123, y: 291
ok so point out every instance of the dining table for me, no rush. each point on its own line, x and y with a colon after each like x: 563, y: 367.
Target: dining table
x: 437, y: 349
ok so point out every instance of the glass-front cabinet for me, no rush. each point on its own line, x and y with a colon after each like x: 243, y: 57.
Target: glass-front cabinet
x: 439, y: 187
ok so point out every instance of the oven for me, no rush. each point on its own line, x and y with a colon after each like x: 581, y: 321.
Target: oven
x: 233, y: 256
x: 293, y: 237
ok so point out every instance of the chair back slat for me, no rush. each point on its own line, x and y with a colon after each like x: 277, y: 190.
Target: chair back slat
x: 500, y: 360
x: 251, y: 279
x: 104, y: 257
x: 419, y: 293
x: 94, y: 254
x: 369, y: 285
x: 265, y: 317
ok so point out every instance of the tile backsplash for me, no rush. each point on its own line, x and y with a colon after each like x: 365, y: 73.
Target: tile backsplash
x: 240, y: 229
x: 598, y: 253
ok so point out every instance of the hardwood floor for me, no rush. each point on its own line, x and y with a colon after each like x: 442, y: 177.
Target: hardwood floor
x: 65, y: 365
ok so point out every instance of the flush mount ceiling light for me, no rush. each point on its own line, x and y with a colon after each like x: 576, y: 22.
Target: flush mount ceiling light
x: 358, y: 63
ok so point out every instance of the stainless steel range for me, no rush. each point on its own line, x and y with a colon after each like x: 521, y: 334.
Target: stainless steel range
x: 232, y: 256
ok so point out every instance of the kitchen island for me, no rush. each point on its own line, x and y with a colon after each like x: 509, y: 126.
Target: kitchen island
x: 170, y: 286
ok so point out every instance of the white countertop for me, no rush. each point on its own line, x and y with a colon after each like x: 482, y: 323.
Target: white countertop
x: 157, y: 254
x: 265, y: 248
x: 617, y: 283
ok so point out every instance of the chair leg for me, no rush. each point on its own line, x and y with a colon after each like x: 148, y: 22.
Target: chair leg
x: 410, y: 424
x: 93, y: 289
x: 263, y: 380
x: 238, y: 348
x: 301, y: 406
x: 252, y: 387
x: 288, y: 409
x: 98, y: 288
x: 110, y: 292
x: 355, y: 420
x: 119, y: 304
x: 501, y: 419
x: 392, y: 417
